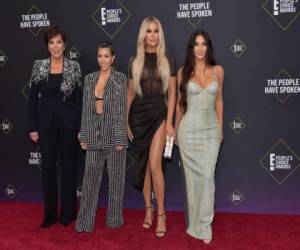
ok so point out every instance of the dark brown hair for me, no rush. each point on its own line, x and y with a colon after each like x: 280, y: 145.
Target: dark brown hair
x: 53, y: 31
x: 189, y: 63
x: 107, y: 45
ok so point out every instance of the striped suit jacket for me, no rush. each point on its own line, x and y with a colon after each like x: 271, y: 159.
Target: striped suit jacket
x: 106, y: 130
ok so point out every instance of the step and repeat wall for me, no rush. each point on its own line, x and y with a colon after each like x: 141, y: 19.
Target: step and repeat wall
x: 257, y: 42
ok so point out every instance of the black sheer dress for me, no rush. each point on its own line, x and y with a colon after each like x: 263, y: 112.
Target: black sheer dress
x: 146, y: 115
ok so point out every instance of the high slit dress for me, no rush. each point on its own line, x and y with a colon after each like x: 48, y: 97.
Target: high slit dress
x: 146, y: 114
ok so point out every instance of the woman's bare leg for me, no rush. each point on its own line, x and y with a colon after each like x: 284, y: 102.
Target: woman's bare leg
x: 155, y: 166
x: 147, y: 197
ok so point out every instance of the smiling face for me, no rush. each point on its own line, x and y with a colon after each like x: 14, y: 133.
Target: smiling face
x: 200, y: 48
x: 105, y: 58
x: 152, y: 36
x: 56, y: 47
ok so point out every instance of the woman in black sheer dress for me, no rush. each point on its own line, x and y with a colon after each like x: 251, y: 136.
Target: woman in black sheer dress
x: 151, y: 103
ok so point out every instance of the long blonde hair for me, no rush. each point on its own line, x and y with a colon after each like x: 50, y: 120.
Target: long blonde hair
x: 162, y: 61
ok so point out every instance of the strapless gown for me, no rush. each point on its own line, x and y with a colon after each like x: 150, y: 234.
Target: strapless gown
x: 199, y: 143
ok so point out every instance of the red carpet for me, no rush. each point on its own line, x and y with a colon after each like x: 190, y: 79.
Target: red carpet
x: 19, y: 230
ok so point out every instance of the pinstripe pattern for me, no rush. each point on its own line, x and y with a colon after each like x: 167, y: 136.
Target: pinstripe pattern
x: 108, y: 129
x: 102, y: 132
x: 116, y: 165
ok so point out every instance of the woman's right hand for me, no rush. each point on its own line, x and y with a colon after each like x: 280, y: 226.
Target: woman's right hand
x: 34, y: 136
x: 129, y: 134
x: 83, y: 145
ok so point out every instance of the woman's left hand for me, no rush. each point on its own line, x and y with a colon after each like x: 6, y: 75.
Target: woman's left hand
x: 119, y: 147
x: 171, y: 131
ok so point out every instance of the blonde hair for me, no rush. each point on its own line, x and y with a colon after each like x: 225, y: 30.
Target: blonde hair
x: 162, y: 61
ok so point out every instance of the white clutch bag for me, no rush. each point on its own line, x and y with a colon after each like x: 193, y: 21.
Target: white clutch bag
x: 169, y: 147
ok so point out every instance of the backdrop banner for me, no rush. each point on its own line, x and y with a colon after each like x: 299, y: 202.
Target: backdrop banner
x: 257, y: 43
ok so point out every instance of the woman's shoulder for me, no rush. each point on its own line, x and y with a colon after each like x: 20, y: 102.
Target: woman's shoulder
x: 40, y: 70
x: 218, y: 69
x: 119, y: 75
x: 219, y: 72
x: 91, y: 77
x: 41, y: 62
x: 72, y: 63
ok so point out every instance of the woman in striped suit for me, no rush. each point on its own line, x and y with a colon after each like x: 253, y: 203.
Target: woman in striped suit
x: 103, y: 135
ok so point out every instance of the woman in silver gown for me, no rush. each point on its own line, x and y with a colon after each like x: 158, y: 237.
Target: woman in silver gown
x: 199, y: 121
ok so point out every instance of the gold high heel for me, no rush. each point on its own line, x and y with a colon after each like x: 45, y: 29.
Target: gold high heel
x: 147, y: 224
x: 160, y: 233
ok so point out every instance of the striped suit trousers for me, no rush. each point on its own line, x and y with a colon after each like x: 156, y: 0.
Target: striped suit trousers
x: 116, y: 167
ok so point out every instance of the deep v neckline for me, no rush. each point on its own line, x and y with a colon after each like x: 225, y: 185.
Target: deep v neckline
x: 105, y: 87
